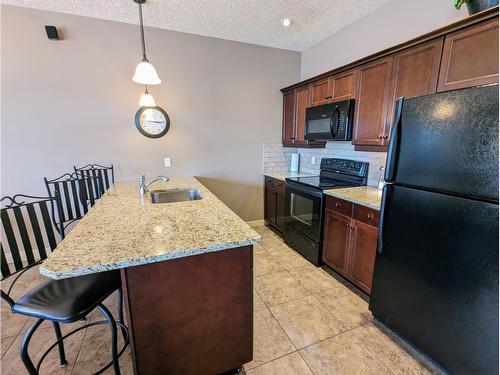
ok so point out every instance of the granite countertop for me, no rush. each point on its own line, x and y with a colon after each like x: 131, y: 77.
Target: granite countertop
x: 121, y: 231
x: 282, y: 175
x: 363, y: 195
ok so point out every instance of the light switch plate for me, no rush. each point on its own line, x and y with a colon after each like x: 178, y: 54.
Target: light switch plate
x: 168, y: 163
x: 313, y: 160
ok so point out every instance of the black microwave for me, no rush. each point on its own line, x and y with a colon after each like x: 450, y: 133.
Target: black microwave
x: 331, y: 122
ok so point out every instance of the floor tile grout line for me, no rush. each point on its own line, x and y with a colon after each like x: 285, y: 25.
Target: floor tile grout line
x: 367, y: 348
x: 307, y: 363
x: 331, y: 337
x: 272, y: 360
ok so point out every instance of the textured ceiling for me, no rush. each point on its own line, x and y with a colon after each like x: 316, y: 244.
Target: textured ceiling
x: 251, y: 21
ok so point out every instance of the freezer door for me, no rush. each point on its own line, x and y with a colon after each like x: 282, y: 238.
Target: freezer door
x: 436, y: 277
x: 447, y: 142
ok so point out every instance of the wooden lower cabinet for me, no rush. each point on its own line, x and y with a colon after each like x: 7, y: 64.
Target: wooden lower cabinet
x: 362, y: 255
x: 274, y: 203
x: 190, y: 315
x: 350, y: 241
x: 336, y: 241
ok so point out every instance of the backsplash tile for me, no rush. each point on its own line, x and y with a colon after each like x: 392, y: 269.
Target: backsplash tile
x: 277, y: 158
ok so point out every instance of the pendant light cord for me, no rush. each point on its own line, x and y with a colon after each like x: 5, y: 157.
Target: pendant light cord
x: 141, y: 22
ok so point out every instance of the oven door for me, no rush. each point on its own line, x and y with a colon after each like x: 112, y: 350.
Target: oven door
x: 303, y: 208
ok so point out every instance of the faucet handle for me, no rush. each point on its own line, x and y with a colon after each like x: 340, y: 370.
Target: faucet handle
x: 142, y: 179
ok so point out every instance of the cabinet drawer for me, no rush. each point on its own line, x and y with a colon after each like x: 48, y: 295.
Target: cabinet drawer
x: 339, y: 205
x: 366, y: 215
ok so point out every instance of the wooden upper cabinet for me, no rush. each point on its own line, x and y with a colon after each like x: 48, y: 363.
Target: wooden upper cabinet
x: 373, y: 86
x: 321, y: 92
x: 470, y: 57
x: 414, y: 72
x: 288, y: 130
x: 344, y: 85
x: 302, y: 102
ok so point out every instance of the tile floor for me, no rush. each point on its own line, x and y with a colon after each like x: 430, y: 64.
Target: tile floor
x: 307, y: 321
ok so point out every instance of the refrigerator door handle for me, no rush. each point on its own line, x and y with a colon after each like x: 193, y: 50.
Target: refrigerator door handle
x: 390, y: 171
x: 380, y: 243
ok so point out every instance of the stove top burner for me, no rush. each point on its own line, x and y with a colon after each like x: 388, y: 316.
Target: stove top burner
x: 322, y: 183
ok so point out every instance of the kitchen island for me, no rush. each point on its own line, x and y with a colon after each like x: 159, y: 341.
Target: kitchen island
x: 186, y: 270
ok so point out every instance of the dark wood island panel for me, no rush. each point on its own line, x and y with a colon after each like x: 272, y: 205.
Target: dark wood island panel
x: 191, y: 315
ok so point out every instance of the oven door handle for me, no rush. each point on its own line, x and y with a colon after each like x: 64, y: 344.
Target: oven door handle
x: 291, y: 187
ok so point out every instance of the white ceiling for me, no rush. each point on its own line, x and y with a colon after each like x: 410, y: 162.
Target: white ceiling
x: 251, y: 21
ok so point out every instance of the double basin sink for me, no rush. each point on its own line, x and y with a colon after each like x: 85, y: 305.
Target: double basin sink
x: 174, y: 195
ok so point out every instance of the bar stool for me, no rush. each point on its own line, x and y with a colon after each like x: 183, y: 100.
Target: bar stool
x: 105, y: 175
x: 77, y: 194
x: 59, y: 301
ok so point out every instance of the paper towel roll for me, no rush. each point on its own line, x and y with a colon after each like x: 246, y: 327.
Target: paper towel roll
x: 294, y: 164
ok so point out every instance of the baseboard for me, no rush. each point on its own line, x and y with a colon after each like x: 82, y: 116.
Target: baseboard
x: 256, y: 223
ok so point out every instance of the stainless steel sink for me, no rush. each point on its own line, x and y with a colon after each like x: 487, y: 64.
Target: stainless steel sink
x: 174, y: 195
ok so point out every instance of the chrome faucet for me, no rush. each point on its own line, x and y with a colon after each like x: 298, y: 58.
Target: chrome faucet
x: 143, y: 185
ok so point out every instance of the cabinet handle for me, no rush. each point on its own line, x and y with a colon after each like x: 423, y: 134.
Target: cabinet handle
x: 369, y: 216
x: 348, y: 225
x: 385, y: 137
x: 337, y: 204
x: 292, y: 138
x: 353, y: 227
x: 379, y: 137
x: 328, y: 97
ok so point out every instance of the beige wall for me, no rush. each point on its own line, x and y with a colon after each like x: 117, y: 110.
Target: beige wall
x: 394, y: 23
x: 73, y: 102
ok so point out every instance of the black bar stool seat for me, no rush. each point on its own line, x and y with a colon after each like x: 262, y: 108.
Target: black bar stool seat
x: 68, y: 300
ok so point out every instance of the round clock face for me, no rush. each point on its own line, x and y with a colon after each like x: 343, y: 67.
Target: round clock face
x: 153, y: 122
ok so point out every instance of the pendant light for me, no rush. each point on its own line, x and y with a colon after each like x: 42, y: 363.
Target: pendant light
x: 145, y: 72
x: 147, y: 100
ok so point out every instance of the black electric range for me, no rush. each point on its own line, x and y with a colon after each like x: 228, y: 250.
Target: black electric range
x: 304, y: 200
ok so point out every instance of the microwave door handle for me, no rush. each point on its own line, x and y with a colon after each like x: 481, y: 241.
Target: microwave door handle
x: 335, y: 115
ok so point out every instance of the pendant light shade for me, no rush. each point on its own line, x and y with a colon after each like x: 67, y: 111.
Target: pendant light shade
x: 147, y: 100
x: 145, y: 73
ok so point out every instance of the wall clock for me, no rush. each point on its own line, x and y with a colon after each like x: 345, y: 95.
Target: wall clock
x: 152, y: 122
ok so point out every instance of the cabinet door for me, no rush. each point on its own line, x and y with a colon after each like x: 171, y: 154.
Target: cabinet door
x: 321, y: 92
x: 336, y: 239
x: 362, y: 255
x: 414, y: 73
x: 269, y: 201
x: 279, y: 187
x: 470, y: 57
x: 374, y: 81
x: 344, y: 85
x: 288, y: 130
x: 302, y: 102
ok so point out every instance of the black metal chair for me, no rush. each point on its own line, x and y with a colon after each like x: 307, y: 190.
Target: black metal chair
x: 105, y: 175
x: 77, y: 194
x: 28, y: 236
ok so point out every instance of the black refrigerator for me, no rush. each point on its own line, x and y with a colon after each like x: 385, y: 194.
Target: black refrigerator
x: 436, y: 271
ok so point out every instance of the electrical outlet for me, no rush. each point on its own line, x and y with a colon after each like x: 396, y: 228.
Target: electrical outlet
x: 313, y: 160
x: 168, y: 162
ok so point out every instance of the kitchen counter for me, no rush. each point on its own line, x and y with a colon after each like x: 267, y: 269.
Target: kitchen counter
x: 283, y: 175
x: 121, y: 231
x: 364, y: 195
x: 186, y: 271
